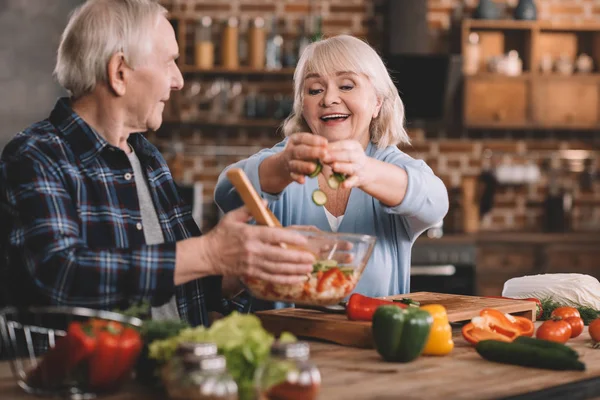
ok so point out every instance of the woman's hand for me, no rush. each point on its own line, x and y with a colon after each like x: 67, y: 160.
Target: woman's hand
x: 300, y: 153
x: 348, y: 158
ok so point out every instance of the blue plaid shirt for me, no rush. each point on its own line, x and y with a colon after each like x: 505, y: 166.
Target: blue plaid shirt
x: 75, y: 235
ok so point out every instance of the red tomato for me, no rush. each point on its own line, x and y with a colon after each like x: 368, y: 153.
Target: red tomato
x: 594, y: 330
x: 565, y: 312
x: 576, y: 326
x: 555, y: 331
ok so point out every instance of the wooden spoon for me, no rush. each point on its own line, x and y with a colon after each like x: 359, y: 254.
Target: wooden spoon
x: 252, y: 200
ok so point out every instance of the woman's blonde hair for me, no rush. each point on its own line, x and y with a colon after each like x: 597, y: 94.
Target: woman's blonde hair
x: 347, y: 53
x: 96, y: 31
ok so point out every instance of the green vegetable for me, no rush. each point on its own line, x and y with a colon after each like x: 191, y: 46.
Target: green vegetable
x: 547, y: 344
x: 239, y: 337
x: 146, y: 369
x: 407, y: 301
x: 400, y: 334
x: 319, y: 197
x: 527, y: 355
x: 588, y: 314
x: 317, y: 170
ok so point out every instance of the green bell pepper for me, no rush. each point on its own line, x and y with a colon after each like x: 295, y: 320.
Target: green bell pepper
x: 400, y: 334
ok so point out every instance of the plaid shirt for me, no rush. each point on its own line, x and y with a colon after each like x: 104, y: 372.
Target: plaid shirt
x: 75, y: 235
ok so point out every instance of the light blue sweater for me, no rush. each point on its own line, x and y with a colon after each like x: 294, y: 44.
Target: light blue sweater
x: 396, y: 228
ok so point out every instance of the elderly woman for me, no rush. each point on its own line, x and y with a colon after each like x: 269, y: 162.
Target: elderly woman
x: 348, y: 114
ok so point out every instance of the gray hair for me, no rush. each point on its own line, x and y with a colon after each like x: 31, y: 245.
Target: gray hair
x: 96, y: 31
x: 348, y: 53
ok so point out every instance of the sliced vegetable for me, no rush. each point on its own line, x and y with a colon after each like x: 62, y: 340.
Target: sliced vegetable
x: 339, y: 177
x: 362, y: 308
x: 527, y: 355
x: 496, y: 325
x: 546, y: 344
x: 319, y: 197
x: 333, y: 182
x: 539, y: 309
x: 333, y: 278
x: 440, y: 341
x: 318, y: 169
x: 400, y: 335
x: 555, y: 330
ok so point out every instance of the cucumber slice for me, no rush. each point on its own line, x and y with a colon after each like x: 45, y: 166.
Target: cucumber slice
x: 319, y: 197
x: 333, y: 182
x: 328, y: 263
x: 340, y: 177
x: 317, y: 170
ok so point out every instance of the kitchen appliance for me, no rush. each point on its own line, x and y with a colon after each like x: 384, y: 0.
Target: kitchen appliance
x: 443, y: 267
x: 337, y: 328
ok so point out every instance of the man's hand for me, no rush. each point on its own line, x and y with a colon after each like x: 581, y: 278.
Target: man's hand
x: 238, y: 249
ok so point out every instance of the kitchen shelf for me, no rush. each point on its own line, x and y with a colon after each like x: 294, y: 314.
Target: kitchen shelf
x: 190, y: 69
x: 508, y: 24
x: 233, y: 123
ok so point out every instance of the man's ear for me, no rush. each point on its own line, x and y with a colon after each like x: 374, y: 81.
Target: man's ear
x: 118, y: 74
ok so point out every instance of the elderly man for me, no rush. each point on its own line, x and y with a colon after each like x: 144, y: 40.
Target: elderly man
x: 94, y: 216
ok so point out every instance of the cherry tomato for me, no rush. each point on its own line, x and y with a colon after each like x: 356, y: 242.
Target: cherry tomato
x: 594, y: 330
x: 554, y: 330
x: 565, y: 312
x: 576, y: 326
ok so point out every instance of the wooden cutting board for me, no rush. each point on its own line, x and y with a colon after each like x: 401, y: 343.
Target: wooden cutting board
x: 338, y: 329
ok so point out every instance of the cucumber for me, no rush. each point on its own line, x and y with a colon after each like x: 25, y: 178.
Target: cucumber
x: 317, y: 170
x: 339, y: 177
x: 319, y: 197
x: 333, y: 182
x: 527, y: 355
x: 547, y: 344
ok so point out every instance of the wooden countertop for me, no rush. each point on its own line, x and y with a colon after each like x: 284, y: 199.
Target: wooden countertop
x: 512, y: 237
x: 350, y: 373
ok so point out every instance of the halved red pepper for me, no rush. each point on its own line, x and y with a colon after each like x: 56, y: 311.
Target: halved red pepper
x: 362, y: 308
x: 494, y: 324
x: 58, y: 362
x: 117, y: 350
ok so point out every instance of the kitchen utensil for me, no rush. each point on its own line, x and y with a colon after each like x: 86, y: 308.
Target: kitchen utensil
x: 252, y: 200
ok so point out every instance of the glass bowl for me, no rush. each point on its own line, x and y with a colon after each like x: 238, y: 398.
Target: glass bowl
x: 69, y: 352
x: 341, y: 260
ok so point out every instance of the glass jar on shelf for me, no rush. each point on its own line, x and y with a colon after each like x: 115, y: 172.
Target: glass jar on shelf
x: 204, y: 378
x: 204, y: 46
x: 288, y: 374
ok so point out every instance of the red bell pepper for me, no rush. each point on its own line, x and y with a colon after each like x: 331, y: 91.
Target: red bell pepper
x: 117, y: 350
x: 494, y: 324
x: 539, y: 310
x: 362, y: 308
x: 59, y: 361
x: 332, y: 278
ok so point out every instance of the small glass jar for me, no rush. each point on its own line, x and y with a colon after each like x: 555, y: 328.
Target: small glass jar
x: 174, y: 371
x: 288, y: 374
x: 204, y: 378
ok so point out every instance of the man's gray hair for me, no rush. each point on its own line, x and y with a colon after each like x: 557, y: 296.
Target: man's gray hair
x: 95, y: 32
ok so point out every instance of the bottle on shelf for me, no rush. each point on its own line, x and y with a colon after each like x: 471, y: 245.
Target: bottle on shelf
x: 303, y: 40
x: 243, y: 42
x: 229, y: 46
x: 256, y: 44
x: 204, y: 47
x: 274, y: 48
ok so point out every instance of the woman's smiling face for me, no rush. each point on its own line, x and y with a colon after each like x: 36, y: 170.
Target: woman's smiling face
x: 340, y: 106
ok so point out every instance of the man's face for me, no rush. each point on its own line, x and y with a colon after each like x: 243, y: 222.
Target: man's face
x: 152, y: 81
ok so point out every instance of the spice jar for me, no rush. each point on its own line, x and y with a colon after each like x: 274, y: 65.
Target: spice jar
x: 256, y: 44
x: 288, y: 374
x: 229, y: 45
x: 204, y: 378
x: 205, y: 49
x: 173, y: 372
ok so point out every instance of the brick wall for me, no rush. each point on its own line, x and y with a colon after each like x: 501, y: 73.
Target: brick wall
x: 199, y: 154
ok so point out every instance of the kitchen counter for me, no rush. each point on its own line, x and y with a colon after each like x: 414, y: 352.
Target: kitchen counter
x: 350, y: 373
x: 513, y: 237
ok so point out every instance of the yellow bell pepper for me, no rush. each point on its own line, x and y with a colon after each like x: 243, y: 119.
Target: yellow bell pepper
x: 440, y: 341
